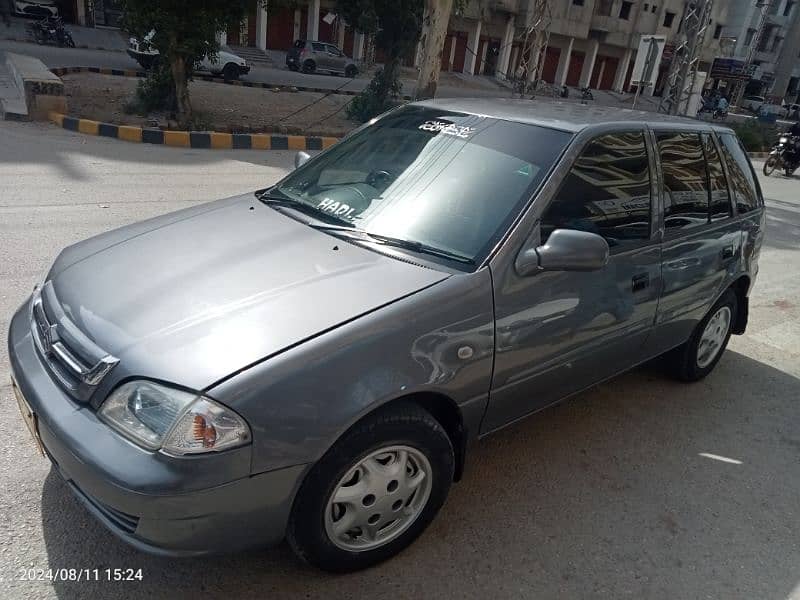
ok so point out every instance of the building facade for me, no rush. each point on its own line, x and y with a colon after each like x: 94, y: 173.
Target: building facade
x: 775, y: 54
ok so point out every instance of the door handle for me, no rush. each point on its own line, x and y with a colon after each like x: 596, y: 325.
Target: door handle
x: 727, y: 252
x: 640, y: 282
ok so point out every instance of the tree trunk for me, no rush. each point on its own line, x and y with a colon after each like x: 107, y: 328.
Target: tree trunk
x: 180, y: 77
x: 434, y: 32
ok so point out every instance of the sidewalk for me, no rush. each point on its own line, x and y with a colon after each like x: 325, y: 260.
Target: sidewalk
x: 85, y: 37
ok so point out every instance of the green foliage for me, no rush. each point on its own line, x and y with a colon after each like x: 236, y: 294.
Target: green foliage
x: 380, y: 95
x: 756, y: 136
x: 155, y: 92
x: 396, y: 25
x: 182, y: 31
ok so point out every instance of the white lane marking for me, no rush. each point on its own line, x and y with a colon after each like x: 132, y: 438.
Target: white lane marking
x: 725, y: 459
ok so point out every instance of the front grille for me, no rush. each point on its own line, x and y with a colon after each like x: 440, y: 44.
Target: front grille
x: 75, y: 362
x: 125, y: 522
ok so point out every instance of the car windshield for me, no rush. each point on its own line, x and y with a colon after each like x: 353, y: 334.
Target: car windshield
x: 450, y: 181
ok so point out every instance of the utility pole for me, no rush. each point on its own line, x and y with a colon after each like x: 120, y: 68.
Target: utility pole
x: 535, y: 38
x: 764, y: 5
x: 686, y: 58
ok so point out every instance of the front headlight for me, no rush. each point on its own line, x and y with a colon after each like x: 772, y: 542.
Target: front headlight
x: 174, y: 421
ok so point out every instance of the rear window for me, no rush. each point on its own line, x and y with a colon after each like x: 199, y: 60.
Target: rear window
x: 743, y: 181
x: 685, y: 180
x: 300, y: 44
x: 720, y: 207
x: 318, y: 47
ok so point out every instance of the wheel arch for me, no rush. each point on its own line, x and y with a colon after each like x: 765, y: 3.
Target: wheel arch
x: 741, y: 288
x: 446, y: 412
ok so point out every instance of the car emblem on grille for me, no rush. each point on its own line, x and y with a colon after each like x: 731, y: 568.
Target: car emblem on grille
x: 49, y: 337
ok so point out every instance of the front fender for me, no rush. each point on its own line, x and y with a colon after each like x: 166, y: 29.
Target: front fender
x: 301, y: 401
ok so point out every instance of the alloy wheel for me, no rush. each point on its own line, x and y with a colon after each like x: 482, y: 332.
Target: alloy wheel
x: 714, y: 336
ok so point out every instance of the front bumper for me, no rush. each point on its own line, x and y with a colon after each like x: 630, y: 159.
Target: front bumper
x: 158, y: 504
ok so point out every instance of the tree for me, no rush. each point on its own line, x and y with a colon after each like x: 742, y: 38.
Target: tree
x: 434, y: 32
x: 396, y: 26
x: 183, y: 31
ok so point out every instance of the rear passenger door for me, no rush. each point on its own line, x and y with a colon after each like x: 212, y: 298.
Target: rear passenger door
x: 559, y: 332
x: 702, y: 239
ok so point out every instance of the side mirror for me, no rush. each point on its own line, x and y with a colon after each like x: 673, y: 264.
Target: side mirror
x: 565, y: 250
x: 301, y: 158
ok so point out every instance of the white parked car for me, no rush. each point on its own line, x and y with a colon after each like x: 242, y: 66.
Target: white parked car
x: 36, y: 8
x: 751, y: 103
x: 227, y: 64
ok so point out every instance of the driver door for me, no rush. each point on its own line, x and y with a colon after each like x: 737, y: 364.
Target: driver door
x: 558, y: 332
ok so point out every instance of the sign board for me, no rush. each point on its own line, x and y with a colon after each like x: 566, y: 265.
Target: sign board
x: 648, y: 58
x: 329, y: 18
x: 730, y: 68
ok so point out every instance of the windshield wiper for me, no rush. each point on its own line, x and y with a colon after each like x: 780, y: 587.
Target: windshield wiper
x: 271, y: 199
x: 386, y: 240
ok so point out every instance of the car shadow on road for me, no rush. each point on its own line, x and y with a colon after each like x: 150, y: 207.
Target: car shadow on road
x: 640, y: 487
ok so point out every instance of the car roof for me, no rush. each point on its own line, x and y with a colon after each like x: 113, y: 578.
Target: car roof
x: 567, y: 116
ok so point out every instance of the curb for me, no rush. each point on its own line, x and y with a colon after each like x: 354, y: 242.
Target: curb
x: 27, y: 40
x: 208, y: 140
x: 281, y: 87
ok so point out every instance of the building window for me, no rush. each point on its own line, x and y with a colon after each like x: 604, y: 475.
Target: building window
x: 625, y: 10
x: 717, y: 32
x: 646, y: 7
x: 776, y: 42
x: 669, y: 17
x: 604, y: 7
x: 787, y: 10
x: 749, y: 37
x: 653, y: 9
x: 577, y: 2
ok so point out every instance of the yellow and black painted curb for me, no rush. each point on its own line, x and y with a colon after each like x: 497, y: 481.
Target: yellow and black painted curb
x: 61, y: 71
x: 194, y: 139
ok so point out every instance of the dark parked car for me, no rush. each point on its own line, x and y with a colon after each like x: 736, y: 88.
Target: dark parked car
x: 313, y: 361
x: 311, y: 57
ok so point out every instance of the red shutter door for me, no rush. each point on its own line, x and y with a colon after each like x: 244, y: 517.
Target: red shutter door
x: 280, y: 29
x: 303, y: 23
x: 446, y: 52
x: 550, y: 64
x: 461, y: 51
x: 607, y: 81
x: 325, y: 30
x: 575, y: 67
x: 349, y: 42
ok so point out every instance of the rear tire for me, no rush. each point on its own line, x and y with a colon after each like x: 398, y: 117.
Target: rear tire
x: 770, y: 164
x: 698, y: 357
x: 366, y: 469
x: 309, y: 66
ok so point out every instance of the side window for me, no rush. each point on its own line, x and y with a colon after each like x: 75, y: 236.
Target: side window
x: 333, y: 50
x: 607, y: 192
x: 685, y: 180
x: 720, y: 199
x: 318, y: 47
x: 745, y: 192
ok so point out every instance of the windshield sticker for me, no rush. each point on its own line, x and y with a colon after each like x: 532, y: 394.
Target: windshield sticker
x: 340, y: 209
x: 446, y: 128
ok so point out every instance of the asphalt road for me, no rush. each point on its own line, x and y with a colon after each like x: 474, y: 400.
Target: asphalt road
x: 608, y: 495
x: 279, y: 75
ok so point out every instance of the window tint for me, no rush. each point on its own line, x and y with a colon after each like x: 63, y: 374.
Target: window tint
x: 685, y: 183
x: 333, y: 50
x: 741, y: 173
x: 318, y: 47
x: 720, y: 199
x: 607, y: 192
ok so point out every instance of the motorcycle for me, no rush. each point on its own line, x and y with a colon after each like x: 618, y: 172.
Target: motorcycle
x: 51, y: 31
x: 782, y: 156
x: 586, y: 93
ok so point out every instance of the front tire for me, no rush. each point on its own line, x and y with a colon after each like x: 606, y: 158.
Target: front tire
x: 698, y: 357
x: 770, y: 164
x: 230, y: 72
x: 374, y: 492
x: 351, y: 71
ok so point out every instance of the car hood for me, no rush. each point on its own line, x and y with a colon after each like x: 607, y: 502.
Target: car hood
x: 194, y: 296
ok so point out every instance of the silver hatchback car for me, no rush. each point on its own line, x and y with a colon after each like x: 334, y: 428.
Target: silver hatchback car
x: 311, y: 57
x: 313, y: 361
